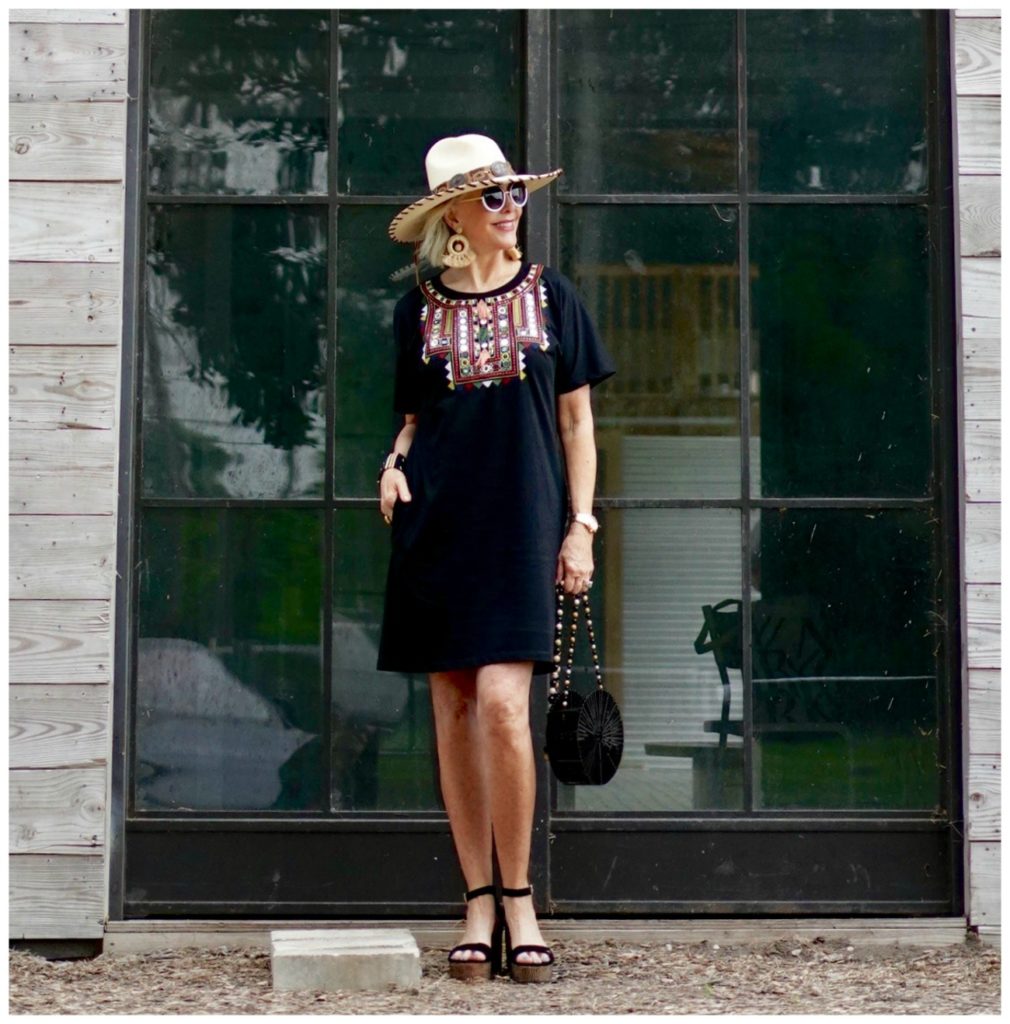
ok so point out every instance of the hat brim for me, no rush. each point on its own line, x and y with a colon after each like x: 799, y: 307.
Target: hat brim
x: 408, y: 224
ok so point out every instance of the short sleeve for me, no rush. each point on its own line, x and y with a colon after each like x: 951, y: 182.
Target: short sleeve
x: 583, y: 358
x: 407, y: 334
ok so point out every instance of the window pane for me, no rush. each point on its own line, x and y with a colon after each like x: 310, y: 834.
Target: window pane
x: 661, y: 283
x: 657, y: 570
x: 836, y: 101
x: 238, y: 102
x: 409, y: 77
x: 229, y: 660
x: 234, y: 352
x: 846, y: 631
x: 372, y: 274
x: 647, y: 101
x: 383, y: 744
x: 840, y: 356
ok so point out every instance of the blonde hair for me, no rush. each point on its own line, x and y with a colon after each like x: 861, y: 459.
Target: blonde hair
x: 436, y: 234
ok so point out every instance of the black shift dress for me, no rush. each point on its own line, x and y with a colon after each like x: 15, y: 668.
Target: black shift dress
x: 474, y: 553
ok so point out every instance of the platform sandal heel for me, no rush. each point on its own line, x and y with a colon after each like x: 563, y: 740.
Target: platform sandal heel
x: 479, y: 970
x: 518, y: 971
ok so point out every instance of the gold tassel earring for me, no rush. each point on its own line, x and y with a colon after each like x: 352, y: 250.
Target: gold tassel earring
x: 514, y: 253
x: 457, y: 251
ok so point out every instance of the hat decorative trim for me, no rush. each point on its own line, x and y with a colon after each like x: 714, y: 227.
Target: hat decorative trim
x: 499, y: 169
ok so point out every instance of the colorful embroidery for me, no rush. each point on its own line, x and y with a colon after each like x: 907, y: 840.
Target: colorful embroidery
x: 482, y: 339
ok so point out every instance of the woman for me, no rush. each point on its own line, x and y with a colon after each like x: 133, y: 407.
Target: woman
x: 495, y: 360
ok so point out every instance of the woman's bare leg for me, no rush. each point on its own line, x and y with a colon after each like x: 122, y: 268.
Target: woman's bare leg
x: 464, y: 792
x: 503, y: 717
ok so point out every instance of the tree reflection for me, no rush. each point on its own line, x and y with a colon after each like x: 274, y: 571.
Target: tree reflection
x: 235, y: 339
x: 239, y: 101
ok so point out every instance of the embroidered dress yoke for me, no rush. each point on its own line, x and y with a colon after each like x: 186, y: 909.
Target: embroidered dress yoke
x: 474, y: 553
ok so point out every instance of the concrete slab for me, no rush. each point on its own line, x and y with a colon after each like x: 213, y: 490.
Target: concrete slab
x: 325, y: 960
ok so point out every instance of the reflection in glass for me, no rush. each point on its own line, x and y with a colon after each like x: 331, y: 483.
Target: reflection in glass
x: 364, y: 425
x: 383, y: 747
x: 233, y: 400
x: 840, y: 357
x: 846, y: 628
x: 836, y: 101
x: 647, y: 101
x: 409, y: 77
x: 662, y: 285
x: 239, y: 102
x: 229, y: 660
x: 658, y: 573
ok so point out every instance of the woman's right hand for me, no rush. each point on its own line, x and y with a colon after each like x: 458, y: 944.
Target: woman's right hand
x: 393, y: 486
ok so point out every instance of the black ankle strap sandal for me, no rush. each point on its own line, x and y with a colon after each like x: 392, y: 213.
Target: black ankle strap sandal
x: 525, y: 972
x: 479, y: 970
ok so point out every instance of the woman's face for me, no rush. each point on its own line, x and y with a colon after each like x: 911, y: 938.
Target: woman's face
x: 485, y: 231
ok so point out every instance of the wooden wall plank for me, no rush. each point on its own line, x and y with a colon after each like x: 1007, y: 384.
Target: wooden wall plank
x: 984, y: 711
x: 57, y: 810
x: 58, y: 726
x: 68, y: 62
x: 56, y: 897
x: 66, y: 303
x: 980, y: 287
x: 57, y: 387
x: 62, y: 557
x: 978, y: 134
x: 80, y: 222
x: 980, y: 327
x: 60, y: 642
x: 67, y: 141
x: 982, y: 615
x: 984, y: 883
x: 982, y: 542
x: 982, y: 460
x: 983, y: 798
x: 977, y: 64
x: 81, y: 16
x: 981, y: 373
x: 61, y: 386
x: 63, y: 472
x: 979, y: 199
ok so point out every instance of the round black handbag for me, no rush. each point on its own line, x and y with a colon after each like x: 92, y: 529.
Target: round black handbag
x: 585, y: 735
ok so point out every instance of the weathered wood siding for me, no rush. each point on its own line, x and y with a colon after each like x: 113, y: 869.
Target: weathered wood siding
x: 67, y: 160
x: 67, y: 150
x: 977, y: 116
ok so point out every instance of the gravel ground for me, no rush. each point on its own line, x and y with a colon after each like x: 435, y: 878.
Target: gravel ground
x: 809, y: 976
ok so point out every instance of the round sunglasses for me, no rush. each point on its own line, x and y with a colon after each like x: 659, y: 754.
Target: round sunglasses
x: 493, y: 198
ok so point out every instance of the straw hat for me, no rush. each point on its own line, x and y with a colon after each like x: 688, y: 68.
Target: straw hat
x: 456, y: 165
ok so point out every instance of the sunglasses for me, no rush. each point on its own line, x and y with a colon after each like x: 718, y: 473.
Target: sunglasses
x: 493, y: 198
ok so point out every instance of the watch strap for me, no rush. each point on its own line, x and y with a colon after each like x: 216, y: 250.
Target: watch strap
x: 394, y: 460
x: 587, y: 519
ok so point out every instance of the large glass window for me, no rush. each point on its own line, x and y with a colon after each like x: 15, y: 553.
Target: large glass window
x: 747, y: 213
x: 725, y: 502
x: 280, y: 143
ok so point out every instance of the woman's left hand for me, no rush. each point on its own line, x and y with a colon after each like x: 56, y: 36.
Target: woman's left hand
x: 575, y: 561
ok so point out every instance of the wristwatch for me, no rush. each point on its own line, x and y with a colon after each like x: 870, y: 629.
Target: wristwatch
x: 394, y: 460
x: 588, y: 520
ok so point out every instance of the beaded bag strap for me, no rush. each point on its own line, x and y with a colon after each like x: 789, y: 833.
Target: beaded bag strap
x: 557, y: 688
